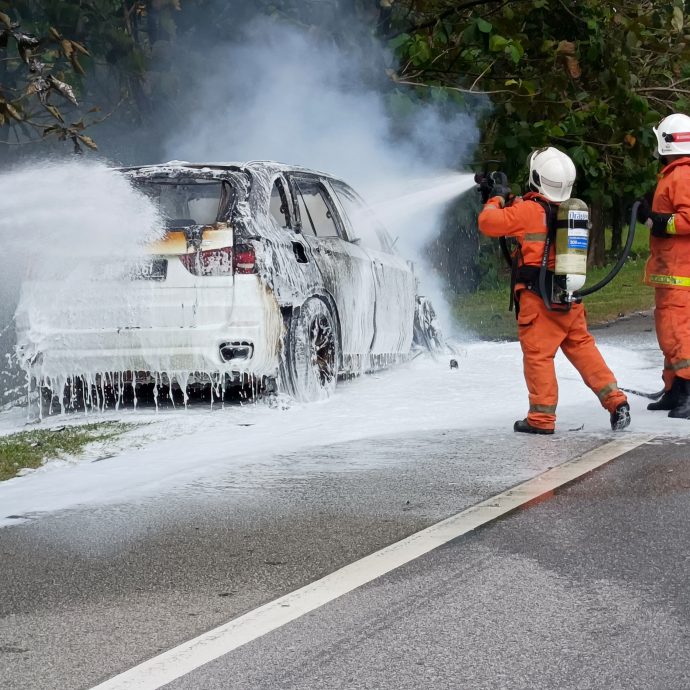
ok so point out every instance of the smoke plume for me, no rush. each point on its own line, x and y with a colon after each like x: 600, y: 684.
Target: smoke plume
x: 283, y: 94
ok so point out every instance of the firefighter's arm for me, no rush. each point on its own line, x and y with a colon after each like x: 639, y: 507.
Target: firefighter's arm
x: 677, y: 223
x: 497, y: 220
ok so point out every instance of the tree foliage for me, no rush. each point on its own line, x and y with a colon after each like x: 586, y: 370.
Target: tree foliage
x: 68, y: 58
x: 588, y: 77
x: 39, y: 81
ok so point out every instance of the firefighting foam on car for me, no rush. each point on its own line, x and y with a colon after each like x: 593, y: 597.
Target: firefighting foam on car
x: 259, y: 276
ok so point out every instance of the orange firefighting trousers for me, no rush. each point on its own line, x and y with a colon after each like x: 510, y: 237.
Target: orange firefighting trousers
x: 541, y: 333
x: 672, y: 320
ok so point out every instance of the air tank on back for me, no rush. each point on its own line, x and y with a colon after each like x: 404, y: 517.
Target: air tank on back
x: 572, y: 241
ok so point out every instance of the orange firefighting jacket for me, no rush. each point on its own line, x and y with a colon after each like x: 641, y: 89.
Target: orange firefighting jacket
x: 525, y: 220
x: 668, y: 265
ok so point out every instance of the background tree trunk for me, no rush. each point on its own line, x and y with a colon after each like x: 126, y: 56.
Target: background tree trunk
x: 617, y: 223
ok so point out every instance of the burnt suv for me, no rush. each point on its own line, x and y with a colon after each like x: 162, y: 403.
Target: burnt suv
x: 266, y: 273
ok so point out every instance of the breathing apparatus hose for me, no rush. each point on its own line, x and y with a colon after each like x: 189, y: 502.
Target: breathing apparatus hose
x: 542, y: 272
x: 621, y: 259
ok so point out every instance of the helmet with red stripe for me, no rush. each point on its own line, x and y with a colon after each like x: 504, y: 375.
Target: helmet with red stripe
x: 673, y: 135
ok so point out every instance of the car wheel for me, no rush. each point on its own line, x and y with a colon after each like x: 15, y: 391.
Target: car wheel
x: 311, y: 353
x: 426, y: 331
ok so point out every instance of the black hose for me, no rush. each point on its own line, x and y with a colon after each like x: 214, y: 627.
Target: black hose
x: 621, y: 259
x: 505, y: 251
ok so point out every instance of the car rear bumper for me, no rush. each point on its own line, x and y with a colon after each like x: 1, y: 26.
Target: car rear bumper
x: 178, y: 330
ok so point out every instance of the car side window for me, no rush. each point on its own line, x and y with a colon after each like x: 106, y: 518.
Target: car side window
x: 365, y: 226
x: 314, y: 206
x: 278, y: 207
x: 307, y: 225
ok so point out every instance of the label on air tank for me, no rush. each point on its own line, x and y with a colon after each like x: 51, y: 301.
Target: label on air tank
x: 577, y: 239
x: 578, y: 232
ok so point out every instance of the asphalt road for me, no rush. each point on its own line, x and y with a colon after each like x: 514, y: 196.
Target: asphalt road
x: 585, y: 589
x: 89, y: 592
x: 588, y: 589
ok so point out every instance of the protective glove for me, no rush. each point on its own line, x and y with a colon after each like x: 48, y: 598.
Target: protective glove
x: 500, y: 186
x: 502, y: 190
x: 658, y: 223
x: 643, y: 210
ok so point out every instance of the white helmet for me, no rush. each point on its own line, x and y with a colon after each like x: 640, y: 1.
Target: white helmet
x: 673, y: 135
x: 552, y: 173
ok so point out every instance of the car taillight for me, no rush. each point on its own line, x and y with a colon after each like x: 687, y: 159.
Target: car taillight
x: 244, y: 259
x: 221, y: 262
x: 211, y: 262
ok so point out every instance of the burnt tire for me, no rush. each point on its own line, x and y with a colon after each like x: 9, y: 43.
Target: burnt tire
x: 311, y: 352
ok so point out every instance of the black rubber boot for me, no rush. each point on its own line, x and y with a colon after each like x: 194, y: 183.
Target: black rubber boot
x: 523, y: 426
x: 682, y: 408
x: 620, y: 417
x: 669, y: 399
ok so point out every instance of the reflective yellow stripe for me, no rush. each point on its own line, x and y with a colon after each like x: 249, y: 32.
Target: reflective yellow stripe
x: 607, y: 389
x: 676, y: 366
x: 535, y: 236
x: 658, y: 279
x: 671, y: 226
x: 545, y: 409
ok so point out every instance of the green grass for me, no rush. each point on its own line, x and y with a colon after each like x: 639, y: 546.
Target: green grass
x: 485, y: 313
x: 30, y: 449
x: 640, y: 245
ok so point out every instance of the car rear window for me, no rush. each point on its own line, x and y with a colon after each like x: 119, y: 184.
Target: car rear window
x: 188, y: 202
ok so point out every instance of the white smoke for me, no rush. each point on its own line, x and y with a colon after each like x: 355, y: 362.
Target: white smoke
x: 282, y: 94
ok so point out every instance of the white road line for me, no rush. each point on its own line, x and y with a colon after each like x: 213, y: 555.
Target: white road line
x: 184, y: 658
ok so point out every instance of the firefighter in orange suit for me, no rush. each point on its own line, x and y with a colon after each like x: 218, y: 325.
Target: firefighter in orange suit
x: 668, y: 266
x: 542, y: 331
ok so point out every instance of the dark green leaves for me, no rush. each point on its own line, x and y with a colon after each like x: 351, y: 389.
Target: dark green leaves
x: 484, y: 26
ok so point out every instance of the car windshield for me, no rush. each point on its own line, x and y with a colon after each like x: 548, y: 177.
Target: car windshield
x: 188, y: 202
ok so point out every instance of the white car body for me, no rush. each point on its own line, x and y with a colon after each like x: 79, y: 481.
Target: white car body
x: 172, y: 327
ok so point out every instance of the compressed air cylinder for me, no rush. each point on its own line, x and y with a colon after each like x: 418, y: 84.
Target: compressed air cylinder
x: 572, y: 240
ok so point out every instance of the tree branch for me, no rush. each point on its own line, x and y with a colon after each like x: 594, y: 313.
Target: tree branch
x: 460, y: 90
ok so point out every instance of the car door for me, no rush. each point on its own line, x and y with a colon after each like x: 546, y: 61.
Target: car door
x: 294, y: 268
x: 395, y: 281
x: 344, y: 266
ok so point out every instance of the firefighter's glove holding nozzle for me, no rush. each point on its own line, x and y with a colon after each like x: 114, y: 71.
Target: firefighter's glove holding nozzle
x: 501, y: 186
x: 493, y: 184
x: 656, y: 222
